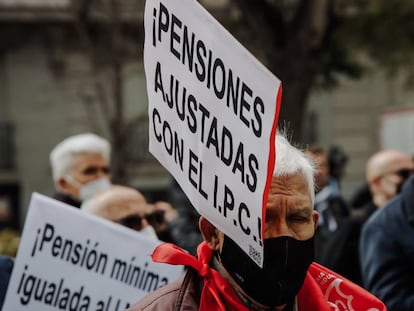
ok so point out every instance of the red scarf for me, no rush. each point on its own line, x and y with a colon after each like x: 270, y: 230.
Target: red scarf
x: 215, y: 289
x: 322, y: 290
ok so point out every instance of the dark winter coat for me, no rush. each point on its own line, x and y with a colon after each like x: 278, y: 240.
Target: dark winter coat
x: 387, y: 251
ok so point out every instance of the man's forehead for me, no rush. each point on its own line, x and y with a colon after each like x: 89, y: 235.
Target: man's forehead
x: 294, y: 189
x: 290, y: 206
x: 85, y: 159
x: 124, y: 207
x: 292, y: 184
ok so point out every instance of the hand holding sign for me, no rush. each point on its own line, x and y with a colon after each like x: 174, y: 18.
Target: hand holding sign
x: 213, y: 114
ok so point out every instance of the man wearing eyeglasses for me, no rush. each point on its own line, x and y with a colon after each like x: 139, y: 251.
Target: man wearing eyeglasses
x: 123, y: 205
x: 80, y: 167
x: 386, y: 171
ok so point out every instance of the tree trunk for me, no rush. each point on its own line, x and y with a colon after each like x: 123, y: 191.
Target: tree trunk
x: 110, y: 103
x: 117, y: 125
x: 293, y: 48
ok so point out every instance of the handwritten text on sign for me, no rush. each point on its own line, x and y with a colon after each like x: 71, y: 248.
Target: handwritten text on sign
x: 213, y: 112
x: 70, y: 260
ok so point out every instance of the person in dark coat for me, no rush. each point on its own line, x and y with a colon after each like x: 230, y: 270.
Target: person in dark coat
x: 329, y: 203
x: 387, y: 251
x: 386, y: 170
x: 6, y: 267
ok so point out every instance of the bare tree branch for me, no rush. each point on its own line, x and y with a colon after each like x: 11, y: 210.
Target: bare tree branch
x: 80, y: 10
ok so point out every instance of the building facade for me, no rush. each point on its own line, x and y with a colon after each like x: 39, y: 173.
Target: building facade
x: 48, y: 91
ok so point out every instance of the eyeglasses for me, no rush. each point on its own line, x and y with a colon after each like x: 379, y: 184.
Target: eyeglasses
x: 135, y: 221
x: 404, y: 173
x: 155, y: 218
x: 93, y: 170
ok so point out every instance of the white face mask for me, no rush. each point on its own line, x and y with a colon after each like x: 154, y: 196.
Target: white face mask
x: 91, y: 188
x: 149, y: 232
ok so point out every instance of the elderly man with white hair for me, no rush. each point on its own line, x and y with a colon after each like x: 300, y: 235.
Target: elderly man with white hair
x: 223, y: 277
x: 80, y: 167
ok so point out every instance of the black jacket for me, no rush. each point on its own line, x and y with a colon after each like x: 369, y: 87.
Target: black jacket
x: 67, y: 199
x: 6, y: 267
x: 341, y: 252
x: 387, y: 251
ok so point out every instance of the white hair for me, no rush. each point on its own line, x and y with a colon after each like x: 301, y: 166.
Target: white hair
x: 291, y: 161
x: 62, y: 156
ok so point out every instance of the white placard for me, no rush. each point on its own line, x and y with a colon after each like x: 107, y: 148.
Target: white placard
x: 213, y: 113
x: 71, y: 260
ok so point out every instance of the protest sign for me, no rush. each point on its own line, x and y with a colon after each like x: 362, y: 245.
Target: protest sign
x: 213, y: 112
x: 70, y: 260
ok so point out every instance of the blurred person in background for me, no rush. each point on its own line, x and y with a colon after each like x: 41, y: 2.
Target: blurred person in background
x: 178, y: 226
x: 6, y: 267
x: 123, y: 205
x: 385, y: 173
x: 337, y: 160
x: 329, y: 203
x: 387, y: 247
x: 80, y: 168
x: 360, y: 197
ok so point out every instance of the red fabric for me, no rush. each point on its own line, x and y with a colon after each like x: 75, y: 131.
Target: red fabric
x: 217, y: 294
x: 324, y: 290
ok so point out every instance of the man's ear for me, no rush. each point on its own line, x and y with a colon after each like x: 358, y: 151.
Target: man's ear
x: 62, y: 184
x: 210, y: 233
x: 375, y: 185
x: 66, y: 187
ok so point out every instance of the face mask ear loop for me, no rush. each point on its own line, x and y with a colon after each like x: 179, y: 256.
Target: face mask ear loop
x: 72, y: 181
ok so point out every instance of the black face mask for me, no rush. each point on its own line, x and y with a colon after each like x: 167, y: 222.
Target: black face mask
x: 286, y: 262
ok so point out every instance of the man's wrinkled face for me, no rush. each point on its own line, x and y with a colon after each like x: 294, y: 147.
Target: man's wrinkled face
x: 88, y: 167
x: 289, y: 210
x: 289, y: 213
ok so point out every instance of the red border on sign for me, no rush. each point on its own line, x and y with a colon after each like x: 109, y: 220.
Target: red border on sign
x: 272, y: 157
